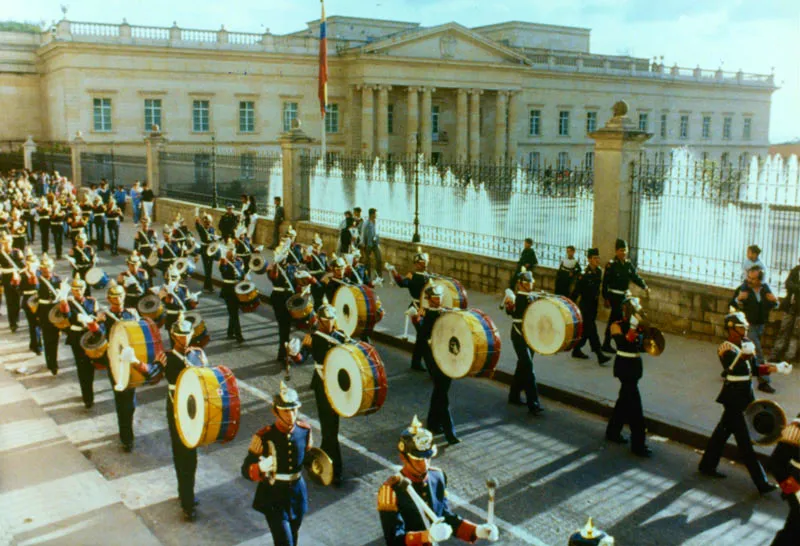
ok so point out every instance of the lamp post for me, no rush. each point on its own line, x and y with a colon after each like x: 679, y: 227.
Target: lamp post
x: 213, y: 172
x: 416, y: 238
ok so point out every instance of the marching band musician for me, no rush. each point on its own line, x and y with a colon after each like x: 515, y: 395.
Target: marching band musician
x: 57, y: 219
x: 243, y: 247
x: 439, y: 416
x: 27, y: 284
x: 184, y: 459
x: 43, y: 212
x: 628, y: 336
x: 175, y: 296
x: 737, y: 356
x: 317, y: 262
x: 316, y: 345
x: 113, y: 219
x: 87, y: 209
x: 80, y: 310
x: 586, y: 294
x: 144, y: 242
x: 282, y: 276
x: 124, y: 401
x: 47, y: 290
x: 99, y: 222
x: 413, y: 505
x: 135, y: 280
x: 231, y: 269
x: 228, y: 223
x: 295, y: 250
x: 76, y: 222
x: 4, y: 220
x: 83, y: 258
x: 28, y: 216
x: 415, y: 281
x: 524, y: 376
x: 168, y: 250
x: 357, y: 272
x: 336, y: 278
x: 283, y: 501
x: 785, y: 466
x: 18, y: 230
x: 11, y: 260
x: 207, y: 236
x: 618, y: 275
x: 179, y: 231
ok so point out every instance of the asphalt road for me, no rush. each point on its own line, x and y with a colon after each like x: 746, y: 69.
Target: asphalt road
x: 554, y: 470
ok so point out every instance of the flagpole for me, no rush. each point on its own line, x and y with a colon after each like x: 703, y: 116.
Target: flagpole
x: 323, y: 80
x: 324, y: 143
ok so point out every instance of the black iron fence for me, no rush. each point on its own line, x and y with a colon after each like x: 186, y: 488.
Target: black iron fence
x: 53, y: 161
x: 11, y: 161
x: 486, y: 209
x: 206, y: 176
x: 118, y: 169
x: 694, y: 219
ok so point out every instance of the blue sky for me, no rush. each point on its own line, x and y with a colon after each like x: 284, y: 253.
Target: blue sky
x: 754, y: 35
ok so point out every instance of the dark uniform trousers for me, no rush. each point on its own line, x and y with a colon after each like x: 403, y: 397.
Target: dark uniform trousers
x: 12, y: 300
x: 184, y: 459
x: 439, y: 416
x: 783, y: 465
x: 83, y: 365
x: 628, y: 410
x: 615, y: 314
x: 125, y: 401
x: 732, y: 422
x: 34, y: 332
x: 234, y: 324
x: 231, y: 274
x: 44, y: 231
x: 50, y: 335
x: 328, y: 424
x: 278, y: 299
x: 57, y: 229
x: 590, y: 332
x: 113, y: 235
x: 100, y: 230
x: 524, y: 376
x: 208, y: 269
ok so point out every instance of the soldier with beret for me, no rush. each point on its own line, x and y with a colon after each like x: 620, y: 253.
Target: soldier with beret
x: 586, y: 295
x: 618, y: 275
x: 275, y: 460
x: 785, y: 466
x: 737, y: 356
x: 413, y: 504
x: 524, y: 377
x: 415, y: 281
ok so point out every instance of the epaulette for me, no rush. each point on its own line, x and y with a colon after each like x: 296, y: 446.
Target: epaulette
x: 791, y: 434
x: 307, y: 340
x: 387, y: 498
x: 726, y: 346
x: 302, y: 424
x: 256, y: 444
x: 615, y: 328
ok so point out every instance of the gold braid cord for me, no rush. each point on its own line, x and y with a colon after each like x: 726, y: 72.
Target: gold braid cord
x: 256, y: 445
x: 791, y: 434
x: 387, y: 499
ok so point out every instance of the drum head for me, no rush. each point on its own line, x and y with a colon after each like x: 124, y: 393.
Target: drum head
x: 94, y: 276
x: 191, y: 406
x: 245, y: 287
x: 194, y: 318
x: 117, y: 341
x: 344, y: 384
x: 298, y: 301
x: 346, y: 306
x: 544, y: 325
x: 257, y: 262
x: 149, y: 304
x: 181, y: 264
x: 452, y: 344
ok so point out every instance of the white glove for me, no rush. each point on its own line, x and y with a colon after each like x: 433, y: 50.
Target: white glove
x: 129, y: 281
x: 128, y: 355
x: 784, y: 368
x: 63, y: 290
x: 487, y: 531
x: 748, y: 348
x: 440, y: 531
x: 266, y: 464
x: 509, y: 294
x: 84, y: 319
x: 293, y: 347
x: 196, y: 212
x: 259, y: 248
x: 412, y: 312
x: 389, y: 267
x: 377, y: 282
x: 634, y: 322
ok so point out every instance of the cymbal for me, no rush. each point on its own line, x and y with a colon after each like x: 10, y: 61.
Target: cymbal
x: 319, y: 466
x: 654, y: 342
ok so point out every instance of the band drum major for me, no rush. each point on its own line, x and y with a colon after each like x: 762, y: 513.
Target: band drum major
x: 206, y: 406
x: 465, y: 343
x: 355, y: 379
x: 552, y: 324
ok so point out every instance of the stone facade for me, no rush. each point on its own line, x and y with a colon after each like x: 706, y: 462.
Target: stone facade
x: 463, y: 93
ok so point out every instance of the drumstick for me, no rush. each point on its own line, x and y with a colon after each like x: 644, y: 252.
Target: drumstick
x: 491, y: 485
x: 405, y: 329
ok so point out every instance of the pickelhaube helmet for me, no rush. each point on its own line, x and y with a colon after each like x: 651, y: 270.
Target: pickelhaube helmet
x: 145, y: 219
x: 181, y: 327
x: 421, y: 256
x: 434, y: 291
x: 290, y: 232
x: 115, y: 292
x: 524, y: 275
x: 134, y: 258
x: 630, y: 306
x: 589, y: 536
x: 416, y: 441
x: 286, y: 398
x: 6, y: 238
x: 81, y: 236
x: 78, y: 283
x: 46, y: 261
x: 30, y: 257
x: 339, y: 262
x: 317, y: 240
x: 172, y: 274
x: 736, y: 318
x: 326, y: 311
x: 167, y: 230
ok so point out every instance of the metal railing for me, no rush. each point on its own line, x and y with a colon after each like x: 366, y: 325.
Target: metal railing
x: 694, y: 219
x: 44, y: 160
x: 484, y: 209
x: 118, y: 169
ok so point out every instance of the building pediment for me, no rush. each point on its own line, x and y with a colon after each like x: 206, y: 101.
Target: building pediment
x: 449, y: 42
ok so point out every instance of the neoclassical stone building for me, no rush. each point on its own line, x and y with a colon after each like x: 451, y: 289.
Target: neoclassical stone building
x: 510, y: 91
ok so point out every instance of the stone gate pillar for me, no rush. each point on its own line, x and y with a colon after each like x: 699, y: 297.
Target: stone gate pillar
x: 617, y: 145
x: 153, y: 144
x: 28, y: 149
x: 77, y: 146
x: 296, y: 183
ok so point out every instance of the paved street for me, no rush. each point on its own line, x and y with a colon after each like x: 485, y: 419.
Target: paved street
x: 554, y: 471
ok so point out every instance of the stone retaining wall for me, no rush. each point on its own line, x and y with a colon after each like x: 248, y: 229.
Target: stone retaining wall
x: 679, y: 307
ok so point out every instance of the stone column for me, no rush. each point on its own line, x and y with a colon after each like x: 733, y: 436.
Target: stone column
x: 383, y: 120
x: 462, y: 142
x: 617, y: 145
x: 153, y: 144
x: 76, y: 148
x: 412, y: 127
x: 500, y: 126
x: 296, y: 183
x: 347, y: 121
x: 514, y: 123
x: 367, y: 124
x: 29, y: 148
x: 425, y: 122
x: 475, y: 124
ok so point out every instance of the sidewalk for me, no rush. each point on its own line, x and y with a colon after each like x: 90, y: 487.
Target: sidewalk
x: 49, y: 492
x: 679, y: 387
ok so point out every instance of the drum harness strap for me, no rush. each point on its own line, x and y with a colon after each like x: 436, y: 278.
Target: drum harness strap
x: 627, y: 354
x: 187, y: 364
x: 322, y: 266
x: 84, y: 255
x: 290, y: 287
x: 49, y: 287
x: 620, y: 292
x: 737, y: 378
x: 329, y: 339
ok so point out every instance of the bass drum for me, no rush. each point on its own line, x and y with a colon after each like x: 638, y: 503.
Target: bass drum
x: 455, y: 295
x: 355, y: 379
x: 552, y: 324
x: 206, y: 406
x: 150, y: 306
x: 465, y: 343
x: 247, y: 294
x: 358, y: 309
x: 57, y: 318
x: 258, y: 264
x: 144, y: 337
x: 95, y: 345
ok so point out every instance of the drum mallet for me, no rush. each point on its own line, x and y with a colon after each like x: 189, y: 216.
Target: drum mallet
x: 491, y: 485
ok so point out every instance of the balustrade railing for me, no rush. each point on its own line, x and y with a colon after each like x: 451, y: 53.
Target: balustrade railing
x: 150, y: 33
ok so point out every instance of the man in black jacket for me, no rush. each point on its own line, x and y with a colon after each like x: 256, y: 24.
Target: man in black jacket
x: 228, y: 223
x: 527, y: 259
x: 276, y: 222
x: 756, y: 300
x: 786, y: 344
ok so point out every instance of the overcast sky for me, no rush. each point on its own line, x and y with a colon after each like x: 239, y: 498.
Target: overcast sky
x: 754, y: 35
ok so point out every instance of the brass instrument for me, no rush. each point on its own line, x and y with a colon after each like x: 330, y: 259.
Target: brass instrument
x: 765, y: 421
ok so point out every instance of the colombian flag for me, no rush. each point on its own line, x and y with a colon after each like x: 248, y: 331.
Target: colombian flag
x: 323, y: 62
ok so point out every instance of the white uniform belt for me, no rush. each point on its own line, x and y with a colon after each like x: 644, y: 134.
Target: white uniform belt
x: 29, y: 292
x: 620, y: 292
x: 287, y: 477
x: 97, y: 214
x: 143, y: 245
x: 516, y: 320
x: 7, y: 270
x: 172, y: 388
x: 76, y: 328
x: 279, y: 289
x: 45, y: 302
x: 736, y: 378
x: 628, y: 355
x: 794, y: 463
x: 44, y: 217
x: 230, y: 281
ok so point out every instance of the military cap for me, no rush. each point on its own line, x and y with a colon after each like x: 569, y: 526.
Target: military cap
x: 592, y: 252
x: 181, y: 327
x: 47, y: 261
x: 286, y: 398
x: 339, y: 263
x: 115, y: 291
x: 434, y: 290
x: 78, y: 283
x: 621, y: 243
x: 134, y: 258
x: 416, y: 441
x: 736, y: 318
